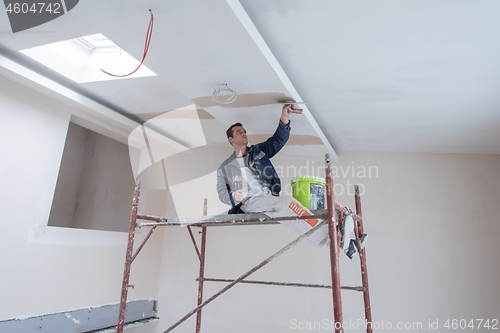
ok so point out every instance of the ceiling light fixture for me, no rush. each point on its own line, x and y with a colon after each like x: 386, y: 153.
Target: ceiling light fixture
x: 224, y: 89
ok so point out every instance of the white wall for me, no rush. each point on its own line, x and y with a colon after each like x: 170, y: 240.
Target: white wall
x: 432, y: 253
x: 50, y: 269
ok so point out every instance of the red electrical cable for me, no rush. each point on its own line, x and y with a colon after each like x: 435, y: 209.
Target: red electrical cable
x: 146, y: 48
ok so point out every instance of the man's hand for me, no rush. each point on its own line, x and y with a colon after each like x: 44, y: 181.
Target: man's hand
x: 239, y: 195
x: 285, y: 114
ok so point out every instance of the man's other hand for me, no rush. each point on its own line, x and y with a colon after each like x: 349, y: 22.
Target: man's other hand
x: 239, y: 195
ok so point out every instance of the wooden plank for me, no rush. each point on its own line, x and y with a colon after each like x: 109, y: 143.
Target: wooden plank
x: 218, y: 220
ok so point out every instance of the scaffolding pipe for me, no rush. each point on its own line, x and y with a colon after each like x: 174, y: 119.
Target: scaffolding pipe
x: 143, y: 242
x: 128, y: 259
x: 194, y: 242
x: 202, y: 269
x: 286, y: 284
x: 334, y: 248
x: 362, y: 258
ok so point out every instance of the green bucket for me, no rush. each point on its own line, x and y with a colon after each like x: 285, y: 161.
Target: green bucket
x: 310, y: 191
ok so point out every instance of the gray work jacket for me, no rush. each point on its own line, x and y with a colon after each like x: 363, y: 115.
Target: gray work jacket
x: 257, y: 158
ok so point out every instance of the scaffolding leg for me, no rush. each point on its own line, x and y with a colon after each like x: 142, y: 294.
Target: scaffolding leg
x: 202, y: 269
x: 334, y: 248
x: 362, y: 257
x: 128, y: 259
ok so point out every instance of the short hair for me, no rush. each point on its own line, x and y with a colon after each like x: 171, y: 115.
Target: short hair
x: 229, y: 131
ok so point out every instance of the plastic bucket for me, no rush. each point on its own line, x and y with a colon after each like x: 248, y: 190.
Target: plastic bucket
x: 310, y: 191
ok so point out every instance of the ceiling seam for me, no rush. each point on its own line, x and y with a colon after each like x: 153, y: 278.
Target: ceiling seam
x: 250, y: 27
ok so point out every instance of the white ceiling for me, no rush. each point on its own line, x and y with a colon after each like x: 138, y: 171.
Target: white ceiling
x: 404, y: 76
x: 392, y: 75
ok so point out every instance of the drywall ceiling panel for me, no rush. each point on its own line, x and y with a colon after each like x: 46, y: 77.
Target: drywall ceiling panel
x: 195, y: 48
x: 398, y: 75
x: 142, y: 97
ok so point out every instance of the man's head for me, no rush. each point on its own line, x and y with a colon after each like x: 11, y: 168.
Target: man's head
x: 237, y: 135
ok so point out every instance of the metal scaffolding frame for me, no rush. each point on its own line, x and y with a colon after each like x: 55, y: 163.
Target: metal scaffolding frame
x: 327, y: 216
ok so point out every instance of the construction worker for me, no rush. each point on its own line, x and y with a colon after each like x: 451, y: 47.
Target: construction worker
x: 249, y: 183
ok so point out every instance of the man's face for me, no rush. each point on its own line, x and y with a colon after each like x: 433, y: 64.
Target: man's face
x: 239, y: 136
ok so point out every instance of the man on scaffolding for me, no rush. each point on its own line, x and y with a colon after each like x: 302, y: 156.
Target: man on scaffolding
x: 249, y: 183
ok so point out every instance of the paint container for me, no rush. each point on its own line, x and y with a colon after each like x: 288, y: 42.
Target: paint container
x: 310, y: 191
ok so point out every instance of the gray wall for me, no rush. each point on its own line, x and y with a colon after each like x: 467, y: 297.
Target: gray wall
x: 95, y: 183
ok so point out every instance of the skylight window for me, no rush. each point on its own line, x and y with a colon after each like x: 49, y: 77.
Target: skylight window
x: 98, y: 41
x: 81, y: 59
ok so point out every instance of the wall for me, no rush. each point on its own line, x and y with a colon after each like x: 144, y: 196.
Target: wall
x: 62, y: 212
x: 432, y: 249
x: 50, y: 269
x: 432, y: 252
x: 94, y: 184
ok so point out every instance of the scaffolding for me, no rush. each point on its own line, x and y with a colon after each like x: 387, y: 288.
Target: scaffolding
x: 328, y: 216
